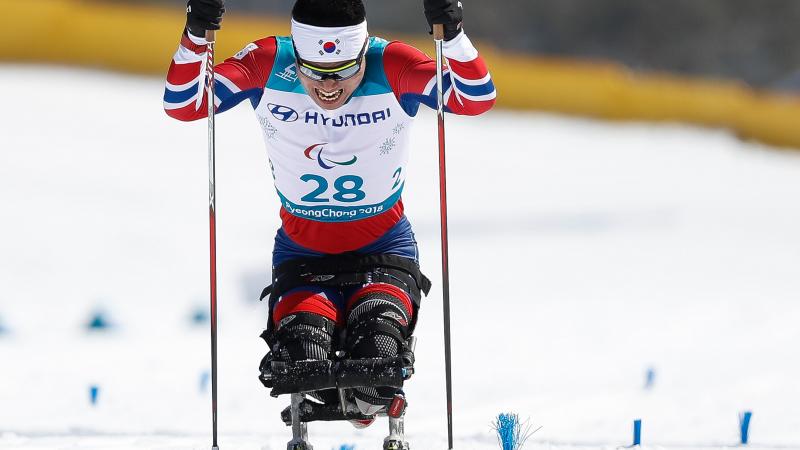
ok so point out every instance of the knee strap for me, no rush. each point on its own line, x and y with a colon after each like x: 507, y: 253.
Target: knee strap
x: 318, y: 329
x: 372, y: 327
x: 304, y: 336
x: 378, y: 313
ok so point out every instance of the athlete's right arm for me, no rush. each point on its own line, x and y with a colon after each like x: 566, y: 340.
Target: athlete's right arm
x: 238, y: 78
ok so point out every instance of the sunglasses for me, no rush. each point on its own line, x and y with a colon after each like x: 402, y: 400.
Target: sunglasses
x: 340, y: 73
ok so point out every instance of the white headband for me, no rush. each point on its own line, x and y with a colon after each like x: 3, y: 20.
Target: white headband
x: 328, y: 44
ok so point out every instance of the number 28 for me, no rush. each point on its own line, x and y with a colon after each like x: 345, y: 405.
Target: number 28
x: 348, y: 189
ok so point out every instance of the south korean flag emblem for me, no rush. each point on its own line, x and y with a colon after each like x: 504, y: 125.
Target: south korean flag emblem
x: 330, y: 47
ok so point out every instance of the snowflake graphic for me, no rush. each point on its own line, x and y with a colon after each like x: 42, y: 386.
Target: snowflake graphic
x: 270, y: 130
x: 397, y: 129
x: 387, y: 146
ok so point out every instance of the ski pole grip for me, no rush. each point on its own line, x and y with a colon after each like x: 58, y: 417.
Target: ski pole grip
x: 211, y: 35
x: 438, y: 32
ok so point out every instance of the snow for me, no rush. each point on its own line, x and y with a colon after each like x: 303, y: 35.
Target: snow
x: 583, y: 253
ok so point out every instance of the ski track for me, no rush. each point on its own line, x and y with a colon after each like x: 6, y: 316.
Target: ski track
x: 582, y: 254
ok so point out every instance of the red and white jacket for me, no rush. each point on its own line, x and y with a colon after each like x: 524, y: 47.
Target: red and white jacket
x: 339, y: 174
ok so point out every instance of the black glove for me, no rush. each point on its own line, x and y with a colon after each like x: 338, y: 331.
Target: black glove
x: 203, y: 15
x: 446, y: 12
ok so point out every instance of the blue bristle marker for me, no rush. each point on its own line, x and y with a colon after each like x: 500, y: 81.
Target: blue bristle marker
x: 94, y: 392
x: 200, y: 316
x: 98, y: 322
x: 637, y: 432
x: 511, y: 433
x: 744, y: 425
x: 650, y: 378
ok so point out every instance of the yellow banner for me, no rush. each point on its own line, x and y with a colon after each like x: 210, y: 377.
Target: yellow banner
x: 142, y: 39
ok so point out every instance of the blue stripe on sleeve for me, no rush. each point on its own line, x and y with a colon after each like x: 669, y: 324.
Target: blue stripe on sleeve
x: 447, y: 81
x: 475, y: 91
x: 234, y: 99
x: 221, y: 91
x: 180, y: 97
x: 410, y: 103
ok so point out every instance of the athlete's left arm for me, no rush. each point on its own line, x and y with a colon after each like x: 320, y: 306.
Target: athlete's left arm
x: 467, y: 84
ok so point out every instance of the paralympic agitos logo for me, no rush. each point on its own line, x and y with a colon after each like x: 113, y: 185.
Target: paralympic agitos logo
x: 322, y: 160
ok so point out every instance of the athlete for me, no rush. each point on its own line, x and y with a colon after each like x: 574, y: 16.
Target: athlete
x: 335, y: 106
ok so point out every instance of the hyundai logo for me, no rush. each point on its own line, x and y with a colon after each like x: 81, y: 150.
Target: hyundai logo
x: 283, y: 113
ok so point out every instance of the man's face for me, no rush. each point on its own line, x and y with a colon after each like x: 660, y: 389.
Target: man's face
x: 331, y: 94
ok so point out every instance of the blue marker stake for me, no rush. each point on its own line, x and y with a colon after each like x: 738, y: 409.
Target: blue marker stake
x: 744, y: 425
x: 650, y: 378
x: 637, y: 432
x: 94, y: 391
x: 347, y: 447
x: 204, y: 378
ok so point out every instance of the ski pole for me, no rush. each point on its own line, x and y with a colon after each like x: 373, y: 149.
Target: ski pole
x: 438, y: 37
x: 211, y: 36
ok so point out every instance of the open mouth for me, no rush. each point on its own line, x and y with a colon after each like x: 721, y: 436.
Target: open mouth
x: 329, y: 97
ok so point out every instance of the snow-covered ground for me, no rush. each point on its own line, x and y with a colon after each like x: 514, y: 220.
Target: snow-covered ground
x: 583, y: 254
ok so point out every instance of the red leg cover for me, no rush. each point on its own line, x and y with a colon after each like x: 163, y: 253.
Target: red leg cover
x: 305, y: 301
x: 385, y: 288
